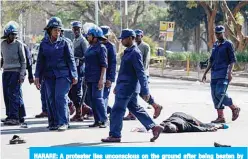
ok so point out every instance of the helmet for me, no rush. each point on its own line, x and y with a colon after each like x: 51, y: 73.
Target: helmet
x: 127, y: 33
x: 96, y: 32
x: 54, y: 22
x: 10, y: 27
x: 76, y: 24
x: 105, y: 30
x: 87, y: 26
x: 220, y: 29
x: 139, y: 32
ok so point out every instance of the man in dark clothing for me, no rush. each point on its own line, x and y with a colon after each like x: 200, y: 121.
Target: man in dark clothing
x: 221, y: 64
x: 181, y: 122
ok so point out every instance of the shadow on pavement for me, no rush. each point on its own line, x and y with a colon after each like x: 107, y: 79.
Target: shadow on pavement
x: 37, y: 129
x: 98, y: 143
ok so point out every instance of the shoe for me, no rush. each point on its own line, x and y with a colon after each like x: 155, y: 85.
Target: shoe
x: 86, y: 110
x: 12, y: 122
x: 63, y: 127
x: 52, y: 128
x: 77, y: 118
x: 42, y: 115
x: 235, y: 113
x: 111, y: 139
x: 103, y: 125
x: 16, y: 140
x: 220, y: 145
x: 24, y: 125
x: 71, y: 108
x: 219, y: 120
x: 156, y: 130
x: 3, y: 120
x: 96, y: 124
x: 157, y: 111
x: 129, y: 117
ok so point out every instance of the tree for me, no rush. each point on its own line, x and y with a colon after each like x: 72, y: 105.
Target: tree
x: 234, y: 29
x: 230, y: 18
x: 187, y: 16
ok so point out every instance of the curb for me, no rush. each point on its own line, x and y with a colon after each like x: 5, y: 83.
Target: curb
x: 195, y: 79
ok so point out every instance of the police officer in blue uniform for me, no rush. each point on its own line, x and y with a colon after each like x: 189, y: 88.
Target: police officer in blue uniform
x: 221, y: 64
x: 145, y: 52
x: 56, y: 64
x: 80, y: 46
x: 111, y: 70
x: 127, y: 88
x: 95, y: 75
x: 13, y: 62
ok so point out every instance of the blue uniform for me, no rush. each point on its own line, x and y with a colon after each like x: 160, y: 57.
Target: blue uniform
x: 222, y: 56
x: 130, y: 82
x: 111, y: 70
x: 95, y: 59
x: 57, y: 66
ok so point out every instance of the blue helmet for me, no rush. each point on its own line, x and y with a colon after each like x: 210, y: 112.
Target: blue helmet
x: 11, y: 27
x: 105, y: 30
x: 54, y: 22
x: 76, y: 24
x: 127, y: 33
x: 139, y: 32
x: 96, y: 32
x: 219, y: 29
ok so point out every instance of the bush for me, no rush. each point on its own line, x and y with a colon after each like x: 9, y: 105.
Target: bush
x: 177, y: 57
x: 242, y: 57
x: 196, y: 57
x: 151, y: 43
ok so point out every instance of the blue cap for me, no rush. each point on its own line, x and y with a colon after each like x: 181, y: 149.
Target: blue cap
x: 76, y: 24
x: 127, y: 33
x: 220, y: 29
x: 139, y: 32
x: 105, y: 30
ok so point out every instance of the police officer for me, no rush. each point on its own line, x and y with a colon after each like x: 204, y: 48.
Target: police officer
x: 145, y: 51
x: 111, y: 70
x: 14, y: 67
x: 43, y: 98
x: 131, y: 73
x: 221, y: 64
x: 95, y: 74
x: 80, y: 46
x: 56, y: 64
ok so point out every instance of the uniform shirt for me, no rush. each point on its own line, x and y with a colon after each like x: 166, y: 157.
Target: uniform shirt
x: 13, y: 57
x: 131, y: 74
x: 55, y: 59
x: 95, y: 59
x: 145, y: 51
x: 80, y: 46
x: 111, y: 70
x: 222, y: 56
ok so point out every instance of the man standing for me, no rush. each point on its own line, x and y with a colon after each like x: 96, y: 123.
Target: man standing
x: 111, y: 70
x: 80, y: 46
x: 14, y: 67
x: 145, y: 52
x: 221, y: 64
x: 131, y: 78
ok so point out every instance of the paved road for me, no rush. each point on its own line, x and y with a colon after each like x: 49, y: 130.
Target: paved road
x: 174, y: 95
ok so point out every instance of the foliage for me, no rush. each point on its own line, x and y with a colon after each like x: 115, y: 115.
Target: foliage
x: 153, y: 45
x: 242, y: 57
x: 193, y: 57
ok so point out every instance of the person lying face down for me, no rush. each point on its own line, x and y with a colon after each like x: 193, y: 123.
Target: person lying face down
x: 180, y: 122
